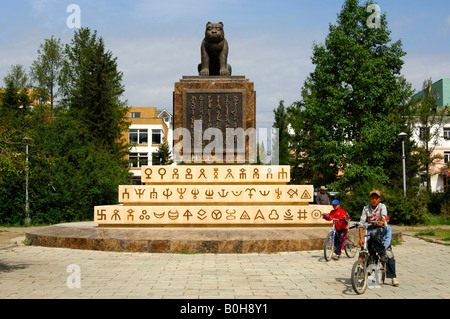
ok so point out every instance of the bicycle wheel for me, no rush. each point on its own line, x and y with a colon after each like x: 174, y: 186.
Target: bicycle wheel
x: 359, y: 277
x: 350, y: 246
x: 328, y: 247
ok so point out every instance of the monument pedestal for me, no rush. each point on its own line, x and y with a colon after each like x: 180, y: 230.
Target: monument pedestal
x: 214, y: 116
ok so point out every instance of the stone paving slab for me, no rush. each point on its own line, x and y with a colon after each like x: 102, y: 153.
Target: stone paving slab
x: 42, y: 273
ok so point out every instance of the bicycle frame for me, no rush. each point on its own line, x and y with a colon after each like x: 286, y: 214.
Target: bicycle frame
x: 367, y: 264
x: 329, y: 245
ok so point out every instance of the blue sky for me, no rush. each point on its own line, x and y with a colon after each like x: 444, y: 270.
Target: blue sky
x: 158, y: 42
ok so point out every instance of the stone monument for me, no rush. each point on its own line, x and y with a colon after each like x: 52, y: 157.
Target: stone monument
x: 214, y: 113
x: 214, y: 136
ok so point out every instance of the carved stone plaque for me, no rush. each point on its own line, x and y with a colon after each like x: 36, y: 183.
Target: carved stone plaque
x: 225, y: 106
x: 215, y: 174
x: 211, y: 215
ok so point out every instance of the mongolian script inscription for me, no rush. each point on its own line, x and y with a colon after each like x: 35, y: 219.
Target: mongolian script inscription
x: 216, y: 110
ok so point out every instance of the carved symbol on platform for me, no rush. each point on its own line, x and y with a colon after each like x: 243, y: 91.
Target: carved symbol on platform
x: 160, y: 215
x: 201, y: 214
x: 230, y: 215
x: 223, y: 193
x: 181, y: 191
x: 282, y: 174
x: 316, y: 214
x: 288, y: 215
x: 269, y: 172
x: 144, y: 215
x: 162, y: 172
x: 209, y: 194
x: 279, y: 192
x: 115, y: 215
x: 195, y: 192
x: 139, y: 192
x: 274, y: 215
x: 188, y: 174
x: 260, y: 215
x: 245, y: 215
x: 242, y: 175
x: 306, y: 195
x: 229, y: 174
x: 202, y: 173
x: 173, y: 215
x: 250, y: 190
x: 256, y: 173
x: 302, y: 214
x: 236, y: 193
x: 130, y: 214
x: 125, y: 193
x: 264, y: 193
x: 216, y: 173
x: 292, y: 192
x: 175, y: 174
x: 153, y: 194
x: 167, y: 193
x: 101, y: 214
x: 216, y: 214
x: 187, y: 214
x: 148, y: 172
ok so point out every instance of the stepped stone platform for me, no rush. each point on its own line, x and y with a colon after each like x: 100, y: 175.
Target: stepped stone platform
x: 87, y: 235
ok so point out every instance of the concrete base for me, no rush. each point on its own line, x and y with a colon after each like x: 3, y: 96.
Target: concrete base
x: 88, y: 235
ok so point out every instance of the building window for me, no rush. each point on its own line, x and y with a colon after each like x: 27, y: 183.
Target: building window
x: 165, y: 118
x: 446, y: 157
x: 424, y: 133
x: 138, y: 136
x: 138, y: 159
x: 156, y: 136
x: 447, y: 133
x: 135, y: 114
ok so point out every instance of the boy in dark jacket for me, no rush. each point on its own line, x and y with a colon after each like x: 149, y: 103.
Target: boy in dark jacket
x: 341, y: 226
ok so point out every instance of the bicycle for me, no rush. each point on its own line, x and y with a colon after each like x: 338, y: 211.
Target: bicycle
x: 329, y: 246
x: 367, y: 265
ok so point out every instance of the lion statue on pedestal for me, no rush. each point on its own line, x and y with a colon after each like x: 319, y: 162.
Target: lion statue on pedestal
x: 214, y: 52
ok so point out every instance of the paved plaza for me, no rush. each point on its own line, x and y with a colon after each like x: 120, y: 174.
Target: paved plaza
x: 51, y: 273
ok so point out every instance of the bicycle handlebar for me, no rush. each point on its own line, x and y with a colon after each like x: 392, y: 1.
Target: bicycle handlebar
x: 367, y: 224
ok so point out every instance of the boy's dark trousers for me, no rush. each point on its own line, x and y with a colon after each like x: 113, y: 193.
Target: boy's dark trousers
x: 390, y: 265
x: 339, y: 240
x: 375, y: 243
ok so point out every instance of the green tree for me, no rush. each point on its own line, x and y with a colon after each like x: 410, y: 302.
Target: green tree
x: 349, y: 99
x: 91, y: 89
x: 17, y: 86
x: 281, y: 137
x: 163, y: 155
x: 46, y: 68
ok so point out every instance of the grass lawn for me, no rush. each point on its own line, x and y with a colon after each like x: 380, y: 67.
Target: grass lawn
x: 435, y: 233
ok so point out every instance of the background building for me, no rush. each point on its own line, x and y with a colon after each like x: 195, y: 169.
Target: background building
x: 439, y: 171
x: 149, y: 128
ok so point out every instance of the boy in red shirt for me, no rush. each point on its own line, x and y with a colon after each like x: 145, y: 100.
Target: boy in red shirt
x: 341, y: 226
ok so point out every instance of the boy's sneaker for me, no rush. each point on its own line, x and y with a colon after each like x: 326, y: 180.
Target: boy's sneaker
x: 395, y: 282
x: 336, y: 257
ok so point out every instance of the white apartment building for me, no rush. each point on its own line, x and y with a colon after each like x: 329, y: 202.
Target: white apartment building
x: 439, y: 178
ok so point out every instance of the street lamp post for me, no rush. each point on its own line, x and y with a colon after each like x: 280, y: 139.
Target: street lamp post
x: 27, y: 204
x: 403, y: 135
